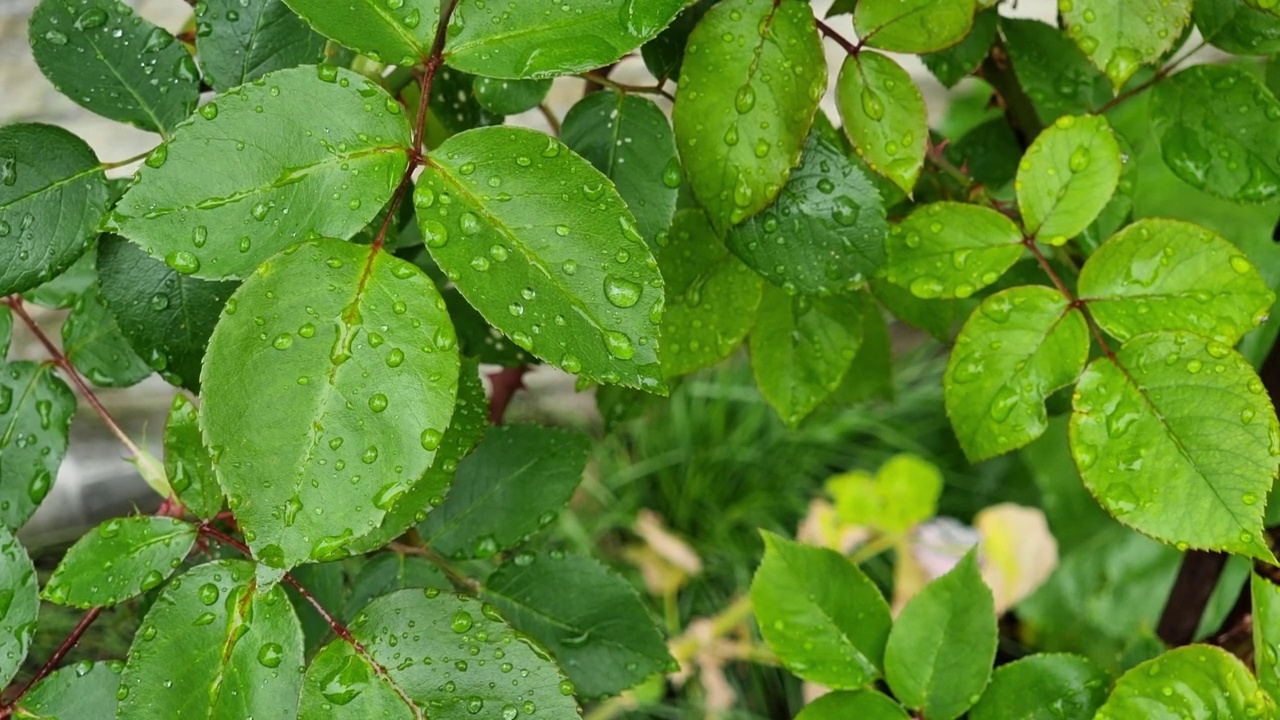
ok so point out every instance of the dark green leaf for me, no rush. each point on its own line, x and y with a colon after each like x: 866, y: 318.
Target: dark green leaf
x: 825, y: 233
x: 912, y: 26
x: 280, y: 170
x: 524, y: 256
x: 951, y: 250
x: 989, y: 152
x: 63, y: 291
x: 874, y: 361
x: 664, y: 54
x: 510, y: 97
x: 397, y: 32
x: 477, y: 338
x: 1067, y: 176
x: 214, y: 646
x: 515, y: 482
x: 1121, y: 37
x: 386, y: 572
x: 21, y: 601
x: 1208, y: 141
x: 712, y: 296
x: 1044, y: 687
x: 820, y: 614
x: 83, y: 691
x: 1173, y: 421
x: 862, y: 704
x: 1055, y: 75
x: 6, y: 331
x: 242, y: 40
x: 115, y: 63
x: 1237, y: 28
x: 167, y: 317
x: 121, y: 559
x: 187, y: 463
x: 939, y: 654
x: 629, y: 139
x: 737, y: 161
x: 955, y: 63
x: 361, y: 382
x: 52, y: 195
x: 936, y: 317
x: 35, y: 415
x: 96, y: 347
x: 456, y: 633
x: 591, y: 619
x: 884, y: 116
x: 1197, y: 682
x: 1266, y: 632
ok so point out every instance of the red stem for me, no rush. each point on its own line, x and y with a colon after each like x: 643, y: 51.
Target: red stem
x: 842, y: 41
x: 506, y: 382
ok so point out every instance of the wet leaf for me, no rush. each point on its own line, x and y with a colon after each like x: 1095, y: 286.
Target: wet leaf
x: 242, y: 40
x: 386, y: 572
x: 120, y: 559
x: 951, y: 250
x: 1054, y: 73
x: 82, y: 691
x: 35, y: 415
x: 1121, y: 37
x: 510, y: 97
x: 1196, y: 682
x: 396, y: 32
x: 1044, y: 687
x: 1265, y: 596
x: 96, y: 347
x: 187, y: 463
x: 861, y: 704
x: 21, y: 602
x: 884, y: 116
x: 1234, y: 26
x: 953, y: 64
x: 913, y: 26
x: 1067, y: 177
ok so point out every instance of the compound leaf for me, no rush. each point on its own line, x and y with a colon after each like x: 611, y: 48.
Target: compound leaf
x: 913, y: 26
x: 884, y: 116
x: 399, y: 32
x: 1067, y: 176
x: 187, y: 464
x: 242, y: 40
x: 1196, y: 682
x: 951, y: 250
x: 121, y: 559
x: 1044, y: 687
x: 1121, y: 37
x: 35, y: 416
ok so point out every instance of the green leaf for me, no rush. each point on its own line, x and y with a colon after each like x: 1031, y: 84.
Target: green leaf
x: 826, y: 621
x: 903, y: 493
x: 165, y: 316
x: 327, y: 584
x: 1044, y: 687
x: 342, y: 684
x: 955, y: 63
x: 1121, y: 37
x: 1266, y: 632
x: 122, y: 559
x: 95, y: 346
x: 951, y: 250
x: 861, y: 704
x: 590, y: 618
x: 21, y: 599
x: 35, y: 416
x: 712, y: 296
x: 990, y: 152
x: 1067, y: 176
x: 521, y: 41
x: 1020, y: 346
x: 1175, y: 421
x: 63, y: 291
x: 1265, y: 5
x: 515, y: 482
x: 52, y: 195
x: 824, y: 235
x: 361, y: 382
x: 912, y: 26
x: 242, y: 40
x: 1171, y: 275
x: 187, y: 463
x: 1208, y: 142
x: 939, y: 654
x: 884, y: 116
x: 1196, y: 682
x: 664, y: 54
x: 764, y: 60
x: 629, y: 139
x: 397, y: 32
x: 1055, y: 75
x: 386, y: 572
x: 564, y: 274
x: 936, y: 317
x: 314, y: 135
x: 477, y: 338
x: 1237, y: 28
x: 801, y: 348
x: 510, y: 97
x: 6, y: 331
x: 215, y: 646
x: 874, y: 360
x: 83, y: 691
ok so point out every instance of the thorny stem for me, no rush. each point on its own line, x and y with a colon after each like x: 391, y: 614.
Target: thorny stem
x: 52, y: 663
x: 842, y: 41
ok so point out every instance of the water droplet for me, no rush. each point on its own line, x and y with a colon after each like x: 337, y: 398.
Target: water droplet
x: 469, y: 223
x: 378, y: 402
x: 672, y: 173
x: 91, y: 18
x: 183, y: 262
x: 159, y: 301
x: 569, y: 267
x: 461, y: 621
x: 56, y: 37
x: 208, y: 593
x: 259, y: 211
x: 872, y: 105
x: 431, y: 439
x: 745, y: 99
x: 209, y: 111
x: 1080, y: 159
x: 434, y: 233
x: 282, y: 341
x: 370, y: 455
x: 157, y: 156
x: 621, y: 292
x: 619, y: 345
x: 151, y: 580
x: 327, y: 73
x: 270, y: 655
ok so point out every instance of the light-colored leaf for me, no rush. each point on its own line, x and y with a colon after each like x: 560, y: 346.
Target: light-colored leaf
x: 884, y: 116
x: 913, y: 26
x: 1120, y: 36
x: 1196, y: 682
x: 1067, y: 176
x: 951, y: 250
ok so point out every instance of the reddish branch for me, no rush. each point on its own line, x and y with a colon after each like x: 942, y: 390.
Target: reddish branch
x: 841, y: 40
x: 505, y: 383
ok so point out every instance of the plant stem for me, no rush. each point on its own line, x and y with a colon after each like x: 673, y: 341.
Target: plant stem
x: 1160, y: 75
x: 126, y: 161
x: 552, y: 120
x: 459, y: 580
x: 623, y: 88
x: 506, y: 382
x: 842, y: 41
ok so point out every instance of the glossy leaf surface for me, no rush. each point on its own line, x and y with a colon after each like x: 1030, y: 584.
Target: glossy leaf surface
x: 1234, y: 26
x: 391, y: 32
x: 509, y: 97
x: 1044, y: 687
x: 120, y: 559
x: 1067, y: 176
x: 951, y: 250
x: 1054, y: 73
x: 1203, y: 683
x: 35, y: 415
x: 187, y: 463
x: 6, y: 331
x: 386, y: 572
x: 82, y: 691
x: 1121, y: 37
x: 953, y: 64
x: 18, y: 625
x: 884, y: 116
x: 95, y: 346
x: 863, y: 704
x: 239, y: 41
x: 913, y: 26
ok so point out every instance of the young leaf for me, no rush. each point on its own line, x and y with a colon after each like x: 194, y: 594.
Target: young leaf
x: 510, y: 97
x: 1171, y: 275
x: 903, y: 494
x: 1055, y: 75
x: 938, y: 656
x: 35, y: 416
x: 520, y: 41
x: 340, y: 398
x: 1196, y: 682
x: 282, y: 172
x: 912, y: 26
x: 1234, y: 26
x: 884, y: 116
x: 824, y: 235
x: 167, y: 317
x: 1067, y: 176
x: 1175, y: 421
x: 1044, y: 687
x: 955, y: 63
x: 951, y: 250
x: 712, y: 296
x: 84, y: 691
x: 1020, y: 346
x: 241, y: 40
x: 516, y: 481
x: 860, y: 704
x: 22, y: 600
x: 215, y: 646
x: 628, y: 139
x: 540, y: 243
x: 345, y: 684
x: 52, y: 195
x: 95, y: 346
x: 391, y: 32
x: 801, y: 348
x: 122, y: 559
x: 738, y: 161
x: 1120, y: 37
x: 820, y: 614
x: 1199, y: 109
x: 187, y: 463
x: 590, y: 618
x: 387, y: 572
x: 115, y: 63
